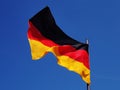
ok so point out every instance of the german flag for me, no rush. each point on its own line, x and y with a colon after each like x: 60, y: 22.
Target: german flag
x: 45, y: 36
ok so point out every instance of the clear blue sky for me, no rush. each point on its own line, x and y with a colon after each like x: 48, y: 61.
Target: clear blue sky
x: 97, y: 20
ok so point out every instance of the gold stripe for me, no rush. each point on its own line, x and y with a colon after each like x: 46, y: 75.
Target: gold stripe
x: 75, y: 66
x: 38, y: 50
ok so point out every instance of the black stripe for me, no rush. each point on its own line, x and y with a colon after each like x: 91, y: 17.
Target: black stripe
x: 46, y: 24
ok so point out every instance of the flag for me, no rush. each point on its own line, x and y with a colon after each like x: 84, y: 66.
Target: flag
x: 45, y: 36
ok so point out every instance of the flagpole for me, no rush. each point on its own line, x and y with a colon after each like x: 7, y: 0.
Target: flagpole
x: 88, y: 85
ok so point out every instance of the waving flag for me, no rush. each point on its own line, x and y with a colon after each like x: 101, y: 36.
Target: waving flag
x: 45, y: 36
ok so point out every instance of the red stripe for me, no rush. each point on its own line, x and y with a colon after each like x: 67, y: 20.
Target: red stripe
x: 78, y: 55
x: 67, y: 50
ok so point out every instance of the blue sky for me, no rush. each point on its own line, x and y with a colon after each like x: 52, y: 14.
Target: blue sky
x: 97, y: 20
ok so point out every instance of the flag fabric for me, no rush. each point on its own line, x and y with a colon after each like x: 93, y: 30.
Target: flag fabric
x: 45, y: 36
